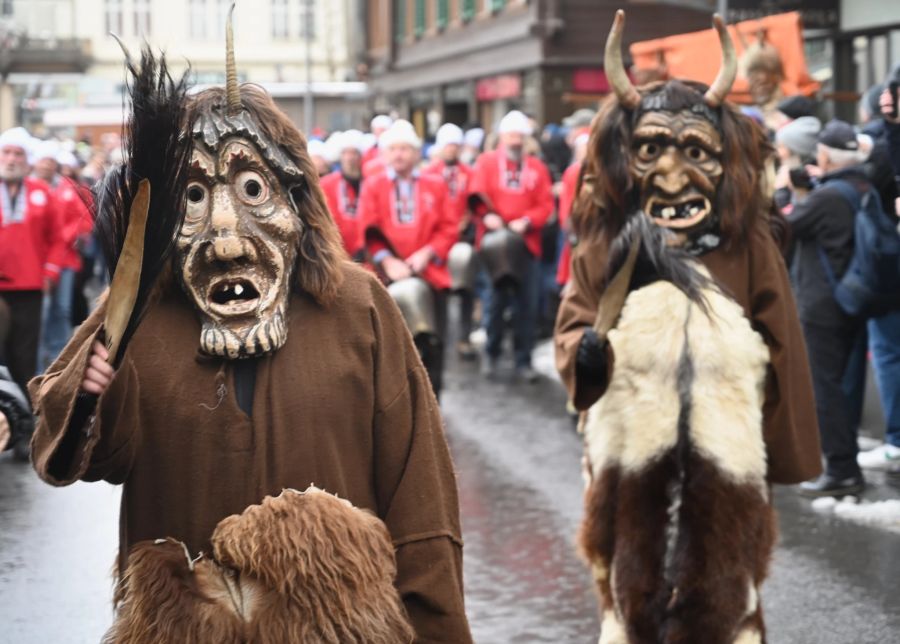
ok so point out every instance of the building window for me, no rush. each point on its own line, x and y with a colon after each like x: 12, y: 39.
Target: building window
x: 420, y: 18
x: 6, y: 8
x: 497, y: 5
x: 467, y: 9
x: 114, y: 22
x: 400, y: 20
x: 443, y: 14
x: 220, y: 18
x: 197, y: 19
x: 280, y: 21
x: 142, y: 18
x: 308, y: 19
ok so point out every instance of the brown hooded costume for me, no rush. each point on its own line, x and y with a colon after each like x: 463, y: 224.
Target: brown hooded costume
x: 336, y: 395
x: 687, y: 357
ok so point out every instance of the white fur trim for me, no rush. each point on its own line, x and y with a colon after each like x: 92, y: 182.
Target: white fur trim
x: 611, y: 629
x: 748, y: 636
x: 636, y: 420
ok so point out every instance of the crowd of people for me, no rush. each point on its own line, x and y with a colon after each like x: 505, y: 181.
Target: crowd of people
x: 483, y: 217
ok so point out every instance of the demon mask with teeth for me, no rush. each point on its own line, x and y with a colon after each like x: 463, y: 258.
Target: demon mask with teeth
x: 675, y: 152
x: 253, y: 216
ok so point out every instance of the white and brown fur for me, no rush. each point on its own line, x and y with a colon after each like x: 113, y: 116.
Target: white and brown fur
x: 678, y: 527
x: 302, y: 567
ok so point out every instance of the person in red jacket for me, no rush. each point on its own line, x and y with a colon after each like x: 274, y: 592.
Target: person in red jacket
x: 342, y: 190
x: 566, y: 201
x: 409, y: 226
x: 30, y: 233
x: 514, y: 191
x: 458, y: 177
x: 76, y: 224
x: 373, y: 161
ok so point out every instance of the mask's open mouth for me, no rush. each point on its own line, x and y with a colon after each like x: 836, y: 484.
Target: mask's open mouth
x: 233, y: 296
x: 678, y: 214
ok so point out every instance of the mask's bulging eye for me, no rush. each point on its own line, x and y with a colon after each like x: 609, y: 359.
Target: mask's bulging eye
x: 197, y: 202
x: 196, y: 193
x: 648, y: 151
x: 697, y: 154
x: 251, y: 187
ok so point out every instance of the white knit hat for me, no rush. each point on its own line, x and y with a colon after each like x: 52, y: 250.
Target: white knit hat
x: 515, y: 121
x: 45, y: 149
x: 67, y: 158
x: 474, y: 137
x: 400, y: 132
x: 316, y: 148
x: 448, y: 134
x: 382, y: 121
x: 333, y: 146
x: 18, y: 137
x: 369, y: 141
x: 351, y: 139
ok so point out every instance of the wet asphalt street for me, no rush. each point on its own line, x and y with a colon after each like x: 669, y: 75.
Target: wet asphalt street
x: 518, y: 456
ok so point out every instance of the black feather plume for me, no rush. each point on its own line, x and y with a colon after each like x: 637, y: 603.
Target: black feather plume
x: 157, y: 147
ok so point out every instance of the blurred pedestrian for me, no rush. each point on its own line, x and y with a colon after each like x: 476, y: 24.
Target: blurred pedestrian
x: 822, y: 226
x: 75, y: 225
x: 409, y: 227
x: 30, y: 244
x: 16, y: 422
x: 795, y: 145
x: 373, y: 161
x: 458, y: 178
x: 884, y: 331
x: 342, y: 189
x: 515, y: 194
x: 319, y: 155
x: 473, y: 140
x: 567, y: 195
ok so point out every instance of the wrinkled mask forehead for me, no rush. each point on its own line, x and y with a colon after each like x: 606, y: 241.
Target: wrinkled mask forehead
x: 238, y: 246
x: 676, y: 165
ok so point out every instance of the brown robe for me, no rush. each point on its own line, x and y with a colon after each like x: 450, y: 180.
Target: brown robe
x: 754, y: 274
x: 345, y: 405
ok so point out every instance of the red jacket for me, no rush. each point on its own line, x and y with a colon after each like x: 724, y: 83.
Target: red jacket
x: 343, y: 202
x: 30, y: 242
x: 427, y: 220
x: 72, y: 203
x: 458, y: 179
x: 531, y: 198
x: 566, y: 199
x: 373, y: 167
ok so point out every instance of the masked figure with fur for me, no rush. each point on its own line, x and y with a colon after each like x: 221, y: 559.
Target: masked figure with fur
x: 679, y: 338
x: 263, y: 358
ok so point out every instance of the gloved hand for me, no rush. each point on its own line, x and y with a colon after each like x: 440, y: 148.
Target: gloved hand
x: 591, y: 358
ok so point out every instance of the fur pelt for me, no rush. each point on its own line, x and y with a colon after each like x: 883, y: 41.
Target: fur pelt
x: 304, y: 567
x: 678, y: 525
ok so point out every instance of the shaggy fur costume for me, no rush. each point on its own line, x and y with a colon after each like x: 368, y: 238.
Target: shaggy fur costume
x: 678, y: 527
x: 302, y: 567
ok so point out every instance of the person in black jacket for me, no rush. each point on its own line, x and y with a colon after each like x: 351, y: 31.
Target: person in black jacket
x: 822, y: 228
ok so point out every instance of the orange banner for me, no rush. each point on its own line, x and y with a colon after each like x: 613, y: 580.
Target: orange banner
x: 696, y: 56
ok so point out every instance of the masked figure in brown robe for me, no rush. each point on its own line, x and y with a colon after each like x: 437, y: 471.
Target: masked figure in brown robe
x: 690, y: 364
x: 264, y: 360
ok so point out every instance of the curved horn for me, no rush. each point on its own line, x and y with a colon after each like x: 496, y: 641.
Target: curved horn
x: 720, y: 88
x: 232, y: 91
x: 615, y: 69
x: 122, y: 46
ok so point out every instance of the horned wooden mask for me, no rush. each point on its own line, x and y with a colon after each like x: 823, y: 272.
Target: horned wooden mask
x: 238, y: 246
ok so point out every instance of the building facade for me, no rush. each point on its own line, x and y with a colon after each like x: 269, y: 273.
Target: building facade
x: 282, y: 44
x: 472, y: 60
